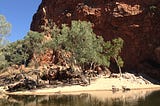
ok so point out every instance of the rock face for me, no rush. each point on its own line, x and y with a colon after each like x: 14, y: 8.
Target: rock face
x: 137, y: 22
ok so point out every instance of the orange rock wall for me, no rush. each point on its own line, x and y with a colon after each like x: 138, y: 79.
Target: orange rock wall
x: 135, y: 21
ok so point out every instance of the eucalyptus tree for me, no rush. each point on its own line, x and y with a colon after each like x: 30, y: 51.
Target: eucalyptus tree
x: 16, y: 53
x: 117, y: 46
x: 84, y: 46
x: 80, y: 41
x: 112, y: 49
x: 5, y: 28
x: 34, y: 43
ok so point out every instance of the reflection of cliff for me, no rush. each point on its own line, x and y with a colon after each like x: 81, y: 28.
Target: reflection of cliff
x: 136, y: 21
x: 104, y: 98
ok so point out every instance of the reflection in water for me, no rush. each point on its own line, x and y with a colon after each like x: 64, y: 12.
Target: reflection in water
x: 100, y: 98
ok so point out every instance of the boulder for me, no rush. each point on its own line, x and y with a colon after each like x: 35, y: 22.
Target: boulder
x: 107, y: 72
x: 114, y: 75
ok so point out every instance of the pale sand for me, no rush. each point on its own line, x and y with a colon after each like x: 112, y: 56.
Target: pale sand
x: 101, y: 84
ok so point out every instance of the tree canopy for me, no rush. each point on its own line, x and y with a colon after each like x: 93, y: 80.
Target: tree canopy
x: 79, y: 40
x: 21, y: 51
x: 84, y: 45
x: 4, y: 31
x: 5, y: 28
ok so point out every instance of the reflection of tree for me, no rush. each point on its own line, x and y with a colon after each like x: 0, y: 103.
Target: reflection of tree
x: 5, y: 102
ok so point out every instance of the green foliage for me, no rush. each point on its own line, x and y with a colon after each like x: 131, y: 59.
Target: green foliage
x: 3, y: 61
x: 79, y: 40
x: 58, y: 39
x: 84, y: 45
x: 17, y: 53
x: 4, y: 29
x: 34, y: 43
x: 21, y: 51
x: 152, y: 8
x: 113, y: 49
x: 82, y: 42
x: 120, y: 61
x: 116, y: 49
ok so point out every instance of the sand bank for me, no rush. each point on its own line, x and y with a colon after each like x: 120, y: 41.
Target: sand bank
x: 101, y: 84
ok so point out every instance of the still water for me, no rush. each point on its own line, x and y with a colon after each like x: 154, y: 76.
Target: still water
x: 100, y: 98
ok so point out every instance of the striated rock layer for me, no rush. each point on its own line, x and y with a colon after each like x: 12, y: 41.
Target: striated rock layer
x: 136, y: 21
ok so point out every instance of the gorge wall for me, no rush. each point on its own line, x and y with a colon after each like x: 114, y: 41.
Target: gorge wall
x: 137, y: 22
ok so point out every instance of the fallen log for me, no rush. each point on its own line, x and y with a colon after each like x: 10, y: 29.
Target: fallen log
x: 24, y: 84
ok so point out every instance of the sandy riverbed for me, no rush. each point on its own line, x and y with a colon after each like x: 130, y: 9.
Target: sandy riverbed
x: 101, y: 84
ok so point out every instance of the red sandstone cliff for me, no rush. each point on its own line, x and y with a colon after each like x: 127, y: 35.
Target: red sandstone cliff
x: 136, y: 21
